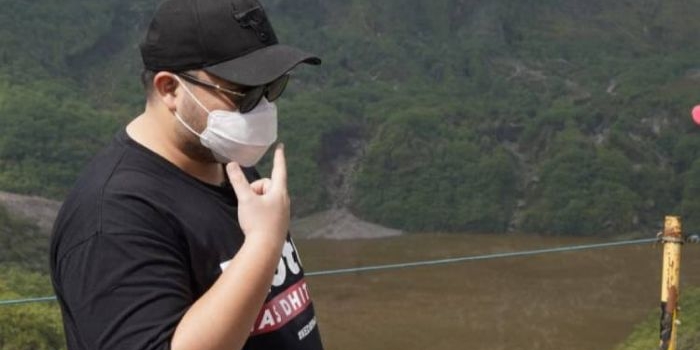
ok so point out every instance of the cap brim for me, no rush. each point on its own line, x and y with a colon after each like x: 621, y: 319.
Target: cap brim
x: 262, y: 66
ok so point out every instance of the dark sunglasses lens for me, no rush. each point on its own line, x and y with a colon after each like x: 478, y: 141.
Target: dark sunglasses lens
x: 251, y: 99
x: 272, y: 91
x: 275, y: 89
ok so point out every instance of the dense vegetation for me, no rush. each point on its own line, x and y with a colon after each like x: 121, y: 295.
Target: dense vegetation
x: 34, y: 326
x: 23, y: 274
x: 562, y: 117
x: 559, y: 117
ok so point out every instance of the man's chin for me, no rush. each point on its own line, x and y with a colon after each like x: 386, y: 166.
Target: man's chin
x: 199, y: 153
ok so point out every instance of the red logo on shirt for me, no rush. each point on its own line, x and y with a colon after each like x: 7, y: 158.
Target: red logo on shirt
x: 282, y: 309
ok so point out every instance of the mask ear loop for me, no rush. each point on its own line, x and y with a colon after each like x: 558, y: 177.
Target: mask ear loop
x: 179, y: 117
x: 192, y: 95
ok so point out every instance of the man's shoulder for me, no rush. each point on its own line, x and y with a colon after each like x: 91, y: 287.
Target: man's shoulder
x: 120, y: 168
x: 116, y: 178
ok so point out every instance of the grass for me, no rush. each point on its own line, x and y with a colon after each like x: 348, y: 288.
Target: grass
x: 646, y: 336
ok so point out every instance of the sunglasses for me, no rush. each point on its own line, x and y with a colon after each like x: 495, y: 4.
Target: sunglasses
x: 247, y: 99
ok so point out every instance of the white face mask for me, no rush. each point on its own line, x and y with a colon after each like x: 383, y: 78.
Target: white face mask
x: 232, y: 136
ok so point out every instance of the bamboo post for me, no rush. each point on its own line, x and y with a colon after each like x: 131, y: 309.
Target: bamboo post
x: 672, y: 239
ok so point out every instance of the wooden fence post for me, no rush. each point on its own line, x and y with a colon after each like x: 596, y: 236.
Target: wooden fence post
x: 672, y: 239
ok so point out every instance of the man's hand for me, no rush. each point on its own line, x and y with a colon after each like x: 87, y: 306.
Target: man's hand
x: 221, y: 319
x: 263, y: 206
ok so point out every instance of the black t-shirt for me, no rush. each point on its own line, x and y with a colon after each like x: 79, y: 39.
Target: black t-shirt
x: 138, y: 241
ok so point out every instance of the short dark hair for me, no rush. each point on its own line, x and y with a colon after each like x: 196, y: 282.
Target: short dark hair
x: 147, y: 76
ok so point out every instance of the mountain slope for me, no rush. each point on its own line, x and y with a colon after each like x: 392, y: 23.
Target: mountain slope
x: 561, y: 117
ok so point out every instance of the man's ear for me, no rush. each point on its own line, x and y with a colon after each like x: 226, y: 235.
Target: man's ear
x: 165, y: 87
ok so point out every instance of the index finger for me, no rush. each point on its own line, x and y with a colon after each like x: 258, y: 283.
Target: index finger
x: 279, y: 167
x: 238, y: 181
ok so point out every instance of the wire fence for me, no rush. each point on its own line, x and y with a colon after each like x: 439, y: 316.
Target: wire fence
x: 422, y: 263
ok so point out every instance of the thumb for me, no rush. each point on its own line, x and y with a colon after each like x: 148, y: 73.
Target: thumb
x: 238, y: 181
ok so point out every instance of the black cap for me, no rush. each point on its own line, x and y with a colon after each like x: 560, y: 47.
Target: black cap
x: 231, y: 39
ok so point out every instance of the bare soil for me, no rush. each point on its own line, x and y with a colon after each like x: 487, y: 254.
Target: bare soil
x: 331, y: 224
x: 339, y: 224
x: 575, y: 301
x: 38, y: 210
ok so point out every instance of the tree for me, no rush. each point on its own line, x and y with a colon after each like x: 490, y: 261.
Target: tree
x: 35, y: 326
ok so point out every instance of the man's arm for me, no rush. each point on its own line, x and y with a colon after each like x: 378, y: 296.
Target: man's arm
x: 223, y: 317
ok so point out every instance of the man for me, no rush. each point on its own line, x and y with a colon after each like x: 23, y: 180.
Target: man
x: 161, y: 246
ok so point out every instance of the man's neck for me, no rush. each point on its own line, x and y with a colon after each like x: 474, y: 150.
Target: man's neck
x: 146, y: 131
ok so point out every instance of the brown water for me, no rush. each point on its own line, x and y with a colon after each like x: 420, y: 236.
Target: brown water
x: 573, y: 301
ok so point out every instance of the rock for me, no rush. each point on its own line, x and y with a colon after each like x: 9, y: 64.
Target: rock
x: 38, y: 210
x: 339, y: 224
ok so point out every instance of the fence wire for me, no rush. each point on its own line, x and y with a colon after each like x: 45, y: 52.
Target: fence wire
x: 421, y: 263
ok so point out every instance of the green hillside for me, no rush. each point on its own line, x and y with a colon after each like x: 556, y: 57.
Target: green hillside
x: 560, y: 117
x: 23, y: 274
